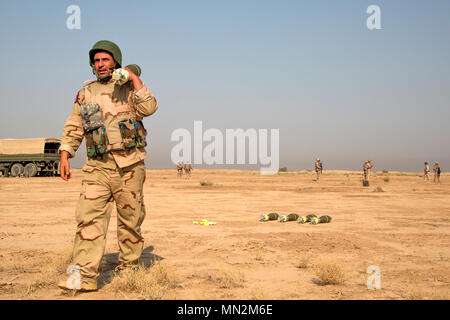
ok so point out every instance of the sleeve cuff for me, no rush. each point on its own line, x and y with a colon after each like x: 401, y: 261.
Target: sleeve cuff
x: 142, y: 92
x: 66, y: 147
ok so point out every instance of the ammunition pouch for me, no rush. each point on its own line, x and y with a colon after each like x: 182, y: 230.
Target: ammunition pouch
x: 91, y: 116
x: 133, y: 134
x: 96, y: 142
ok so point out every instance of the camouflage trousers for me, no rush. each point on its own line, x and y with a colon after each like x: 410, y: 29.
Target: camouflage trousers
x: 318, y: 173
x: 436, y: 177
x: 367, y: 175
x: 100, y: 189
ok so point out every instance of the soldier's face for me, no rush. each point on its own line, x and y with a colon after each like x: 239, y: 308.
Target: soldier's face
x: 103, y: 63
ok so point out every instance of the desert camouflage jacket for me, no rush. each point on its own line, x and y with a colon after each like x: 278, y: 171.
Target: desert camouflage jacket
x: 367, y: 166
x: 117, y: 103
x: 318, y: 166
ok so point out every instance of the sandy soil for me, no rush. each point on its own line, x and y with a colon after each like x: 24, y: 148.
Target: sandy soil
x: 403, y: 228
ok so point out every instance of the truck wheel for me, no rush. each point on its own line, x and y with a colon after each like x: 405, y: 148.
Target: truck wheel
x: 30, y: 169
x: 56, y: 168
x: 17, y: 169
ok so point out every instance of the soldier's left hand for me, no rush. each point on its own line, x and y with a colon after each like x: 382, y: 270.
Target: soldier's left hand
x: 132, y: 75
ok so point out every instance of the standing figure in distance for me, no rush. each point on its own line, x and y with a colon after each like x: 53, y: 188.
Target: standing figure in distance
x: 179, y: 169
x: 318, y: 168
x: 426, y: 172
x: 187, y: 169
x: 437, y: 172
x: 367, y: 169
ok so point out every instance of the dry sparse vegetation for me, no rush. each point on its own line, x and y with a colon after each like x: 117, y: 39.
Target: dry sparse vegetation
x: 303, y: 261
x: 441, y: 294
x: 417, y: 292
x: 147, y: 283
x: 50, y: 272
x: 227, y: 279
x: 259, y: 256
x: 330, y: 272
x: 257, y: 294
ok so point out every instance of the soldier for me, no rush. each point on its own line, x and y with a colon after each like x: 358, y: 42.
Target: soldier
x: 426, y: 172
x: 110, y: 117
x: 187, y: 169
x: 179, y: 169
x: 318, y: 168
x: 367, y: 169
x: 437, y: 172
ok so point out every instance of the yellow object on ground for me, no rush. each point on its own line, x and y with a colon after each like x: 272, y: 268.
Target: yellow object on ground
x: 267, y: 217
x: 308, y: 218
x: 204, y: 222
x: 290, y: 217
x: 321, y: 219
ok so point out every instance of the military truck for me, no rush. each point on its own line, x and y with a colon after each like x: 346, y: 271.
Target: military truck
x: 29, y: 157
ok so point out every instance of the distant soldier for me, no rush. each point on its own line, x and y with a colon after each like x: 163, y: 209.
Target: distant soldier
x: 187, y: 169
x: 179, y: 169
x: 437, y: 172
x: 426, y: 172
x: 367, y: 169
x: 318, y: 168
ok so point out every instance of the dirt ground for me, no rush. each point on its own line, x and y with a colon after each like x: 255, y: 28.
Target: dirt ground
x: 398, y: 223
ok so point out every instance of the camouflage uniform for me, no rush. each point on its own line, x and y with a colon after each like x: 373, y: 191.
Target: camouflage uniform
x: 367, y: 169
x: 116, y: 176
x: 318, y: 168
x: 179, y: 170
x: 426, y: 172
x: 187, y: 169
x: 437, y: 172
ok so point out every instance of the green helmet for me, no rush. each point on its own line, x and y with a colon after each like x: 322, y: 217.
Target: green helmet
x: 108, y: 46
x: 135, y: 69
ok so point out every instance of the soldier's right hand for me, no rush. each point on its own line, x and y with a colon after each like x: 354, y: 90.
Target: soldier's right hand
x: 65, y: 166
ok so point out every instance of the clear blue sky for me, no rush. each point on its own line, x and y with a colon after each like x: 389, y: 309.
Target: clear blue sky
x: 309, y: 68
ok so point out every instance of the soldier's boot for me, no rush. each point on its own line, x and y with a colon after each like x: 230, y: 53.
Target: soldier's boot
x: 84, y: 286
x: 123, y: 266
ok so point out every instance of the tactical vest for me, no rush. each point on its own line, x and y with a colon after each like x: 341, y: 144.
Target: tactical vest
x: 109, y: 120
